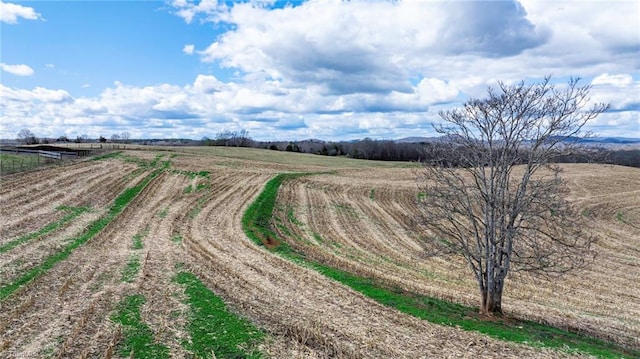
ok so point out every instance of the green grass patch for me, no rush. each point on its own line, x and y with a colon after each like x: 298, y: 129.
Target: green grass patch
x: 93, y: 229
x: 193, y: 212
x: 188, y: 189
x: 130, y: 271
x: 318, y: 238
x: 177, y: 239
x: 138, y: 239
x: 202, y: 186
x: 292, y: 217
x: 257, y: 226
x: 107, y: 156
x: 163, y: 213
x: 372, y: 194
x: 213, y: 328
x: 73, y: 213
x: 256, y: 221
x: 10, y: 163
x: 138, y: 338
x: 154, y: 162
x: 18, y: 157
x: 347, y: 209
x: 144, y: 163
x: 193, y: 174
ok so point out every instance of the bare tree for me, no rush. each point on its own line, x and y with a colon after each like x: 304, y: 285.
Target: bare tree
x: 493, y: 195
x: 125, y: 136
x: 233, y: 138
x: 243, y: 139
x: 27, y: 137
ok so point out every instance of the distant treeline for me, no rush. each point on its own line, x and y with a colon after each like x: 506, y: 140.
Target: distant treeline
x: 369, y: 149
x: 623, y: 157
x: 387, y: 150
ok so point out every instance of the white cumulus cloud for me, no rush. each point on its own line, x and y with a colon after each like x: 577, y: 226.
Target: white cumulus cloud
x: 619, y: 80
x: 188, y: 49
x: 359, y: 46
x: 621, y: 91
x: 10, y: 13
x: 354, y: 69
x: 18, y: 70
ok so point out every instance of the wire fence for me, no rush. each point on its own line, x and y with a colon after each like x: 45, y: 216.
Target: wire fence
x: 21, y: 163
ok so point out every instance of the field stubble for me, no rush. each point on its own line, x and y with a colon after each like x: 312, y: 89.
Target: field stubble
x: 65, y: 312
x: 378, y: 238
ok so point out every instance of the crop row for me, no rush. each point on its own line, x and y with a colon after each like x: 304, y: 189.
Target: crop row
x: 259, y: 222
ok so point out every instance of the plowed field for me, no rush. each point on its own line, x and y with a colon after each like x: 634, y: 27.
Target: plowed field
x: 360, y: 217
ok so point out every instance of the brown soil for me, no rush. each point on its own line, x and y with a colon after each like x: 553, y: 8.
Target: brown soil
x: 66, y: 312
x: 368, y: 223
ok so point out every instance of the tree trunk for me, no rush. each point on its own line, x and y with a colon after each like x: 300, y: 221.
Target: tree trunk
x: 491, y: 302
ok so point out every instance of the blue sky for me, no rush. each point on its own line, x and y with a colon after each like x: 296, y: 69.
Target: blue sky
x: 295, y: 70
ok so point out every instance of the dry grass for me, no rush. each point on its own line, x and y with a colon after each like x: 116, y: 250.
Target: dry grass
x: 65, y: 312
x: 377, y: 237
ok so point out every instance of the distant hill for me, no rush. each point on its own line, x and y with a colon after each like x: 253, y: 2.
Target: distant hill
x: 611, y: 140
x: 418, y: 139
x: 594, y: 141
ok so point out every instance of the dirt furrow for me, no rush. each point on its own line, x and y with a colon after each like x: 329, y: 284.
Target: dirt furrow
x: 358, y: 219
x: 364, y: 244
x: 306, y: 307
x: 73, y: 300
x: 579, y: 302
x: 22, y: 258
x: 92, y: 183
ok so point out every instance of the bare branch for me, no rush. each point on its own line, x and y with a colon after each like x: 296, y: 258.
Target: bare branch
x: 493, y: 195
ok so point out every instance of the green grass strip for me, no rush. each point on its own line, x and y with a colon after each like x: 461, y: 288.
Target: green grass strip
x: 256, y: 221
x: 452, y: 314
x: 73, y: 213
x: 213, y: 329
x: 94, y: 228
x: 138, y: 338
x: 257, y: 226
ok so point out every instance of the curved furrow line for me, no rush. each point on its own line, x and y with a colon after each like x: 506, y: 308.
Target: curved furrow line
x: 158, y: 212
x: 403, y: 266
x: 165, y: 311
x: 365, y: 197
x: 70, y: 200
x: 395, y: 221
x: 576, y: 301
x: 359, y: 228
x: 20, y: 182
x: 305, y: 307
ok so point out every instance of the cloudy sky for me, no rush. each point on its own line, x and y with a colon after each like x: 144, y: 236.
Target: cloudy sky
x: 296, y: 70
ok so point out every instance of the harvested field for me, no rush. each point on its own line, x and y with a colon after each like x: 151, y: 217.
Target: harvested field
x: 366, y: 222
x: 187, y: 216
